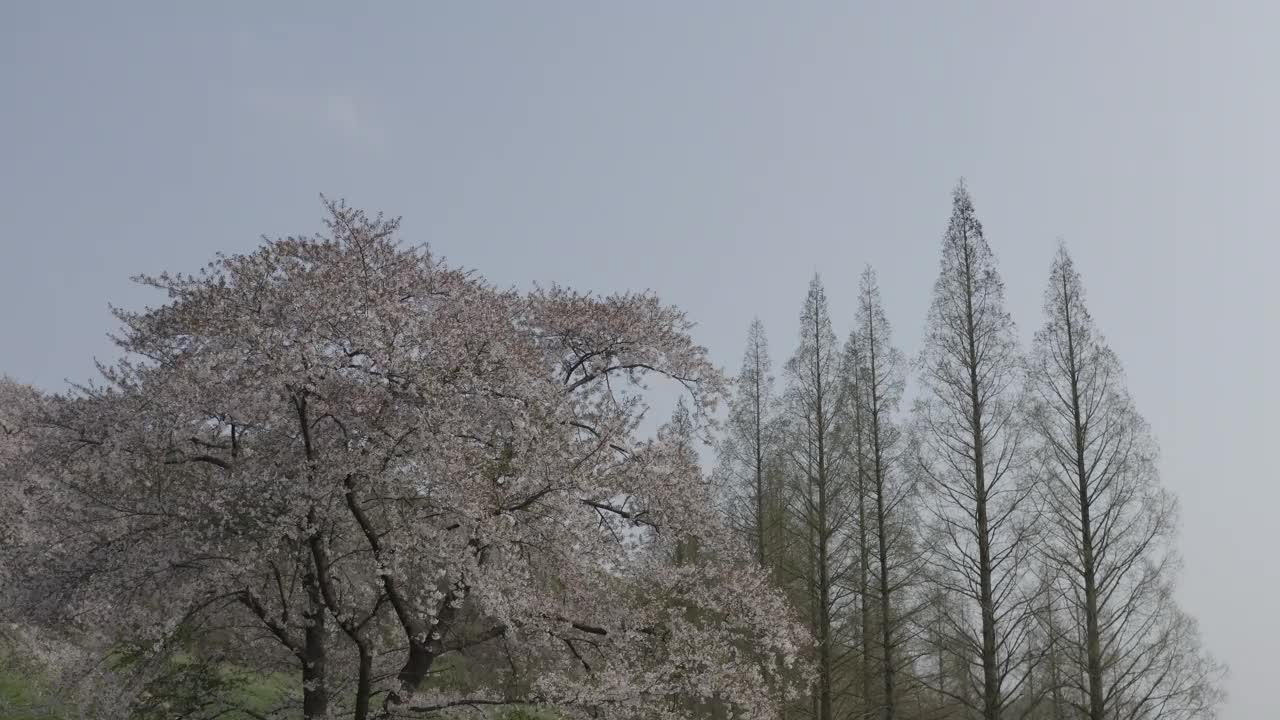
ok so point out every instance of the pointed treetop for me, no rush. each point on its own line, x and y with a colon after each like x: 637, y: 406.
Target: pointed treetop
x: 963, y: 215
x: 1064, y: 305
x: 815, y: 315
x: 815, y: 284
x: 869, y: 285
x: 1065, y: 287
x: 756, y: 335
x: 1062, y: 262
x: 755, y: 359
x: 817, y: 294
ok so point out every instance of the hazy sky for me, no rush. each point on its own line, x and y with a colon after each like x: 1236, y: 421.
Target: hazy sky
x: 717, y: 153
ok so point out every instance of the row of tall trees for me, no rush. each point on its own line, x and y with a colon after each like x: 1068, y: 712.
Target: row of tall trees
x: 1004, y: 549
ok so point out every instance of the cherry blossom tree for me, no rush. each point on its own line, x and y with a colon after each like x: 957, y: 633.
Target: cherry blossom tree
x: 17, y: 402
x: 347, y: 460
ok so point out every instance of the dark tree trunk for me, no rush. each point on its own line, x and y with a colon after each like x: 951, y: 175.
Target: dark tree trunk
x: 315, y: 695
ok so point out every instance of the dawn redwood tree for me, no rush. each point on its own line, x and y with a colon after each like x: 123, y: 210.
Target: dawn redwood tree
x: 1134, y: 655
x: 348, y: 457
x: 855, y: 438
x: 1051, y: 633
x: 972, y: 449
x: 822, y: 501
x: 888, y: 490
x: 747, y: 450
x: 939, y: 665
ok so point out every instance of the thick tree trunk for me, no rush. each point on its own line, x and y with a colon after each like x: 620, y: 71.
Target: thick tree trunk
x: 364, y: 685
x: 423, y: 651
x: 315, y: 695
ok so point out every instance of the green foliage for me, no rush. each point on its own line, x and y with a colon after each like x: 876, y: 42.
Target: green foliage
x: 191, y: 686
x: 185, y: 687
x: 26, y: 692
x: 195, y: 688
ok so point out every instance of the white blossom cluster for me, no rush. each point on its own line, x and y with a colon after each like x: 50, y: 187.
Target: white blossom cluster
x: 340, y: 458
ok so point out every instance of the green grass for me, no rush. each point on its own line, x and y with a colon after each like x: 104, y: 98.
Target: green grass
x: 25, y: 690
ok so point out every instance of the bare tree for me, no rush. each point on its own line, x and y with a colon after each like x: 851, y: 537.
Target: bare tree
x: 881, y: 381
x: 747, y: 452
x: 821, y: 504
x: 856, y: 443
x: 1136, y: 655
x: 971, y: 452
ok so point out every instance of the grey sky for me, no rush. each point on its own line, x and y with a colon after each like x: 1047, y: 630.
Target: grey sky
x: 717, y: 157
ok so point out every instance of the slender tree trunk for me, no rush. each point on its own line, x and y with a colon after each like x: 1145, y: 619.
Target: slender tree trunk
x: 1055, y: 675
x: 990, y: 672
x: 1093, y: 641
x: 811, y: 533
x: 942, y: 667
x: 824, y: 596
x: 864, y: 551
x: 760, y: 490
x: 886, y: 620
x: 824, y: 531
x: 813, y: 374
x: 882, y: 541
x: 864, y: 597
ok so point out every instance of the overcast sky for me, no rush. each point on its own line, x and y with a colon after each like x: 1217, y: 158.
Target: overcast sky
x: 718, y: 154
